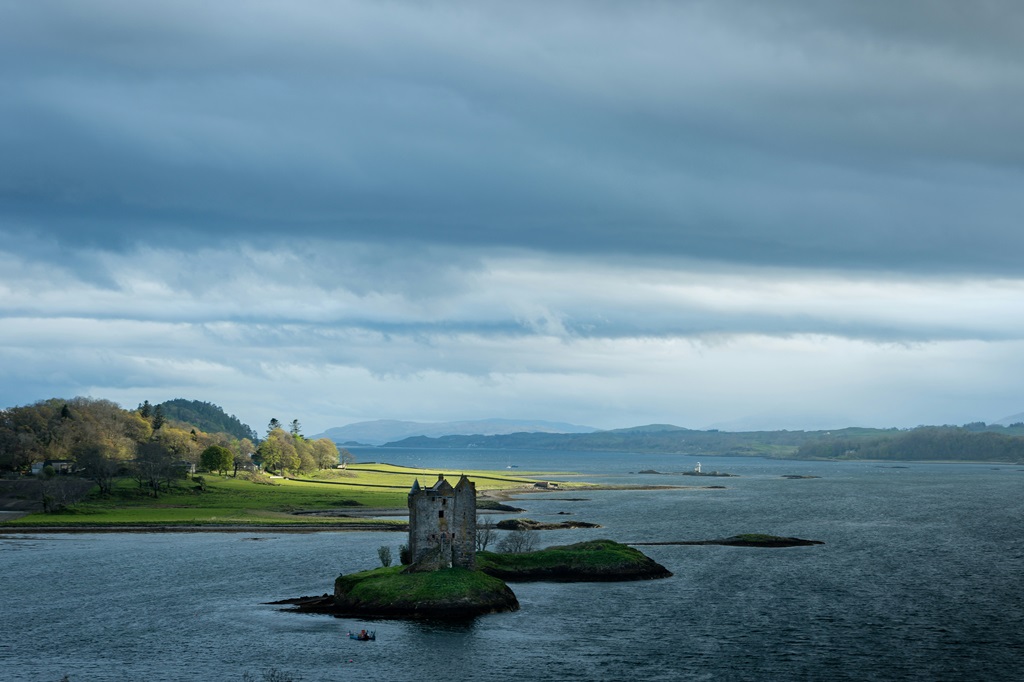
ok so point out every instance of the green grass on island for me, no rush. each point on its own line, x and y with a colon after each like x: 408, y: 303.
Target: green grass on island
x: 595, y: 559
x: 228, y: 501
x: 591, y: 554
x: 391, y: 586
x: 447, y: 593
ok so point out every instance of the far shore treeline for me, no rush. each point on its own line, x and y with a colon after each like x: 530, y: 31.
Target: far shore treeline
x: 153, y: 443
x: 976, y: 442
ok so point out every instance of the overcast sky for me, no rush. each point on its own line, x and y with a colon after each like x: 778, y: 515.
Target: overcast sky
x: 796, y: 214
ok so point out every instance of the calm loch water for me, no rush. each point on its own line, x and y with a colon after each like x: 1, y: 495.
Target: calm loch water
x: 920, y: 579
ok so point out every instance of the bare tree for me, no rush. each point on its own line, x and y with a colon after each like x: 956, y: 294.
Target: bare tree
x: 518, y: 542
x: 484, y: 533
x: 60, y: 492
x: 100, y: 464
x: 156, y: 465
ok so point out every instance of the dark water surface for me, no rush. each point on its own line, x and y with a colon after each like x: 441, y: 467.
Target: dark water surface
x: 920, y: 578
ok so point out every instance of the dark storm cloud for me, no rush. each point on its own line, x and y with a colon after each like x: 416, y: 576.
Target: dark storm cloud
x: 858, y: 135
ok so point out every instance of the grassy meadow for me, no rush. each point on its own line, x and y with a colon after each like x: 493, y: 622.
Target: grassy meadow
x: 266, y: 501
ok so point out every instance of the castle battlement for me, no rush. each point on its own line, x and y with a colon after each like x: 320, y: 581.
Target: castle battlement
x: 442, y: 525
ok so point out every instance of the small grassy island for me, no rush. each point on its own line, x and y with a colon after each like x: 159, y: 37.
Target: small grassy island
x: 592, y: 561
x: 444, y: 575
x: 450, y: 592
x: 398, y: 592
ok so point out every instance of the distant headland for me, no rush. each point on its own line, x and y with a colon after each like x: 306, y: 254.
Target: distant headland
x: 976, y: 442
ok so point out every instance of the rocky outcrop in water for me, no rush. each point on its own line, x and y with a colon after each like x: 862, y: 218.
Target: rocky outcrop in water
x: 746, y: 540
x: 530, y: 524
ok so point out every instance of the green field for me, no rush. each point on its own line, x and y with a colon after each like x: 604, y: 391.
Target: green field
x: 239, y: 501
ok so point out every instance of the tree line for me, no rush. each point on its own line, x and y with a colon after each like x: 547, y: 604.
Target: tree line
x: 976, y: 441
x: 102, y: 442
x: 208, y: 417
x: 291, y: 451
x: 965, y: 443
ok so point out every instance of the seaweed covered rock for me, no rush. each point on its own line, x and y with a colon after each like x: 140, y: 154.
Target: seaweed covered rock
x: 530, y: 524
x: 759, y: 540
x: 744, y: 540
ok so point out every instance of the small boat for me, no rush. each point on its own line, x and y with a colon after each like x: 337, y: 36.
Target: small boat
x: 363, y: 635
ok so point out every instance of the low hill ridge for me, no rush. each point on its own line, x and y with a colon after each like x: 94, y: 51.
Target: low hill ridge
x: 381, y: 431
x: 649, y: 428
x: 207, y: 417
x: 971, y: 442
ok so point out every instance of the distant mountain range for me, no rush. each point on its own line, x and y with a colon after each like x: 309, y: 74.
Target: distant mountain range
x: 976, y: 442
x: 383, y: 431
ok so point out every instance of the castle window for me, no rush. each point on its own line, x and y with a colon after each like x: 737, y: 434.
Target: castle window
x: 440, y: 514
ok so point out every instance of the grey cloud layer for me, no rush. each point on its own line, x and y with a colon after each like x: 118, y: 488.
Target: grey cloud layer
x: 599, y: 212
x: 342, y: 332
x: 327, y: 287
x: 800, y: 134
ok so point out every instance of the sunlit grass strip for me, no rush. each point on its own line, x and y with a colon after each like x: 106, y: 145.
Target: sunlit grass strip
x: 136, y: 519
x: 399, y: 468
x: 236, y: 501
x: 225, y: 501
x: 389, y: 475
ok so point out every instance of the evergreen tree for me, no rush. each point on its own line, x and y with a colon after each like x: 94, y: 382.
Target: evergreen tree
x: 206, y: 417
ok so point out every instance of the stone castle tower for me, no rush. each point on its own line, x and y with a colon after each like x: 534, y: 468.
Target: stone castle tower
x: 442, y: 525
